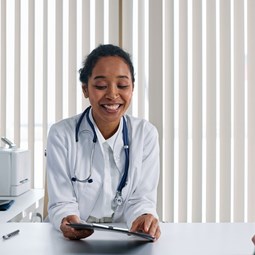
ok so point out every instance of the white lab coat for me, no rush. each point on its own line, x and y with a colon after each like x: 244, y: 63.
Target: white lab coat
x: 66, y: 159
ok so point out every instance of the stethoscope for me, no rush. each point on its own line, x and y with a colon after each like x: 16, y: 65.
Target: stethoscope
x: 118, y: 200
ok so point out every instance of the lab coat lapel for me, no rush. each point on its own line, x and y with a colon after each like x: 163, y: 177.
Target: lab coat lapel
x: 118, y: 153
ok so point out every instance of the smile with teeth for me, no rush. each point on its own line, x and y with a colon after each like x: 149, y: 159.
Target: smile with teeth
x: 112, y: 106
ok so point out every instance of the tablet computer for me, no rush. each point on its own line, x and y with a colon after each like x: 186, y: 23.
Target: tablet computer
x: 5, y: 204
x: 95, y: 226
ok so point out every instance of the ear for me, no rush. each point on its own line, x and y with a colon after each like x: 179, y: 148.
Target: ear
x: 85, y: 90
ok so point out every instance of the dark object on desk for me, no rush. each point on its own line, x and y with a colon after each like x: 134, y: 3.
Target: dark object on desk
x: 6, y: 237
x: 94, y: 226
x: 5, y: 204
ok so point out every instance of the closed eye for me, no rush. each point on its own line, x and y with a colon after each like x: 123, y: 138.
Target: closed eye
x: 100, y: 87
x: 123, y: 86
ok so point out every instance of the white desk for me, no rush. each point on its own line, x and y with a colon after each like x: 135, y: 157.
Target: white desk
x: 176, y: 239
x: 30, y: 201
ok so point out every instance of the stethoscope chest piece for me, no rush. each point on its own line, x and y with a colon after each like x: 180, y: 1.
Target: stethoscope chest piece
x: 118, y: 200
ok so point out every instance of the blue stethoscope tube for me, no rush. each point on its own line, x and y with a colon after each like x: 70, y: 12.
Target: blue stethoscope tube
x: 118, y: 198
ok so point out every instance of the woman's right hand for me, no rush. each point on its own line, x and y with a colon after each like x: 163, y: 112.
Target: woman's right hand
x: 72, y: 233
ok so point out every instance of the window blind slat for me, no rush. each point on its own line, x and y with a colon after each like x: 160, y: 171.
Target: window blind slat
x: 86, y: 45
x: 45, y: 83
x: 3, y: 69
x: 127, y: 30
x: 197, y: 112
x: 251, y: 107
x: 99, y: 22
x: 225, y: 111
x: 127, y: 25
x: 141, y: 82
x: 72, y: 63
x: 210, y: 111
x: 168, y: 113
x: 114, y: 22
x: 239, y: 111
x: 59, y: 60
x: 17, y: 74
x: 183, y: 112
x: 155, y: 68
x: 31, y: 83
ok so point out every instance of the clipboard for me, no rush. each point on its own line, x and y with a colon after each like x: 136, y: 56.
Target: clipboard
x: 101, y: 227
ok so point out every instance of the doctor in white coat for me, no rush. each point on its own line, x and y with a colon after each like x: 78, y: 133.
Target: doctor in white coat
x: 103, y: 165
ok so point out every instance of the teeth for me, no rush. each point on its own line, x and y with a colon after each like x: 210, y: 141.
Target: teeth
x: 112, y: 106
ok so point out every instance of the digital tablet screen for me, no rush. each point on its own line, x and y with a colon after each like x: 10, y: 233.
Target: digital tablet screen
x: 94, y: 226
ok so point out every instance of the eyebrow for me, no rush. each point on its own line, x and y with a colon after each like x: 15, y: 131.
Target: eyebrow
x: 103, y: 77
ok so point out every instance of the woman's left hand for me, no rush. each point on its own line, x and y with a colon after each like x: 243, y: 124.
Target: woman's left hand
x: 253, y: 239
x: 148, y: 224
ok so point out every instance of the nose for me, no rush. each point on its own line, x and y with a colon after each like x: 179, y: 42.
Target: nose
x: 112, y: 92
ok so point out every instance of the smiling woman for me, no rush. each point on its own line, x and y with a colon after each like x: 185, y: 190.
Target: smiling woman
x: 109, y: 90
x: 107, y: 165
x: 108, y: 80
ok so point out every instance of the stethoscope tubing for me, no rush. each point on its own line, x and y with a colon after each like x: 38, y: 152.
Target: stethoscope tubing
x: 126, y: 149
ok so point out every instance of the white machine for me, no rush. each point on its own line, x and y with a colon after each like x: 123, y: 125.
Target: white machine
x: 14, y: 170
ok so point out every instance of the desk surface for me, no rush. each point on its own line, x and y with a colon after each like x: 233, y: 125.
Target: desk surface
x: 176, y: 239
x: 21, y: 203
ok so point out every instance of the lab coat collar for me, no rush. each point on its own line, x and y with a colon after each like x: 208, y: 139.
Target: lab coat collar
x: 116, y: 143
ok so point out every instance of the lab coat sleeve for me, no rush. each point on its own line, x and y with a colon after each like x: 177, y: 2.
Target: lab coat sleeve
x: 62, y: 200
x: 144, y: 197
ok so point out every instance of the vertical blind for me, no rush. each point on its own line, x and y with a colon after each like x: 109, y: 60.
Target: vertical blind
x: 194, y: 64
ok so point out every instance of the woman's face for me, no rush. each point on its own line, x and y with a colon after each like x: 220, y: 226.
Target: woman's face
x: 109, y: 90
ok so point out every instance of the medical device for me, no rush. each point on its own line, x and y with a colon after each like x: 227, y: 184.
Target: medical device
x: 15, y: 171
x: 118, y: 200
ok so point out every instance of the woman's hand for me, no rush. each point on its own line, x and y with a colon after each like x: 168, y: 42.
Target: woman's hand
x: 70, y: 232
x: 148, y: 224
x: 253, y: 239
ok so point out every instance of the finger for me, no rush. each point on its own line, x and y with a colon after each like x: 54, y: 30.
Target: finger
x: 79, y: 234
x: 63, y: 226
x: 142, y: 223
x: 136, y: 225
x: 68, y: 232
x: 152, y: 228
x: 253, y: 239
x: 157, y: 234
x: 72, y: 219
x: 69, y: 219
x: 150, y: 224
x: 83, y: 233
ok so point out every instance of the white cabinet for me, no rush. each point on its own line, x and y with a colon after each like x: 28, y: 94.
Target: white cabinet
x: 26, y: 207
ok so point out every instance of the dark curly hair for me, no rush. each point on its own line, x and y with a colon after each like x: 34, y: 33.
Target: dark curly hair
x: 104, y: 50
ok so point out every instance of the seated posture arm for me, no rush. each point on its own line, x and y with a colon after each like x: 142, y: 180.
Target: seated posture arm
x: 103, y: 164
